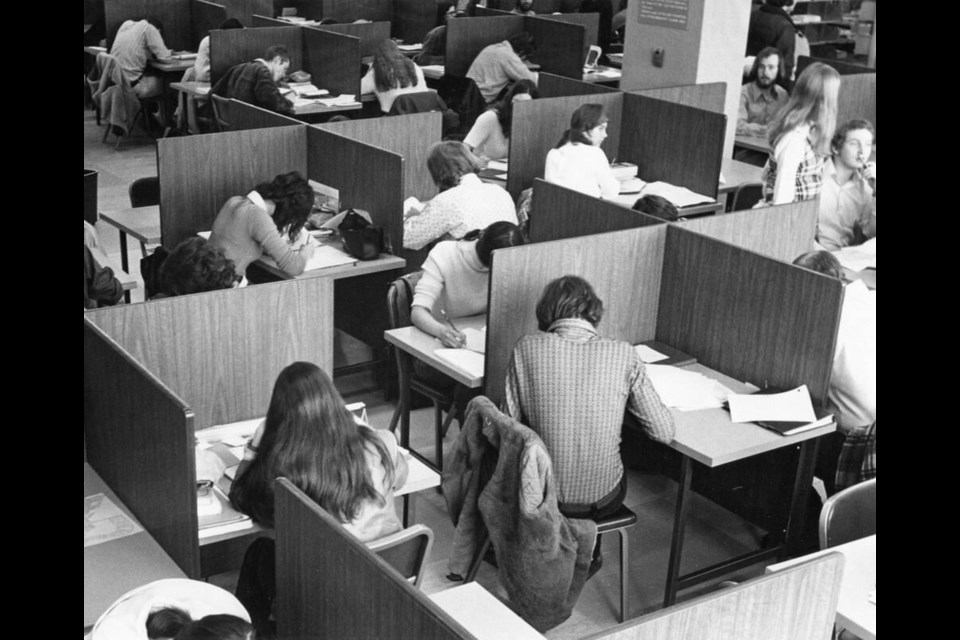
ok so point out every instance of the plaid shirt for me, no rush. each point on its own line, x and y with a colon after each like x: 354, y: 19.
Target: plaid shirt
x: 858, y: 457
x: 252, y: 82
x: 571, y: 386
x: 808, y: 179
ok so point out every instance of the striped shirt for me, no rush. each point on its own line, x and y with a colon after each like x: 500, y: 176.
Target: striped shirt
x: 133, y: 46
x: 571, y: 387
x: 794, y: 171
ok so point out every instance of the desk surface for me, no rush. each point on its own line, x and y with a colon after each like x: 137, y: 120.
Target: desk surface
x: 422, y: 346
x: 709, y: 437
x: 143, y: 223
x: 171, y: 66
x: 754, y: 143
x: 194, y: 88
x: 736, y: 173
x: 112, y: 568
x: 602, y: 74
x: 854, y: 611
x: 385, y: 262
x: 482, y: 614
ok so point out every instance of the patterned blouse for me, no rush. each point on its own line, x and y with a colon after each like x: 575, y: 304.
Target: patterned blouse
x: 794, y: 154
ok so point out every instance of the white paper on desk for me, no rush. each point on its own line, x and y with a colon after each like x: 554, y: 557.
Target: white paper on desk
x: 861, y: 257
x: 686, y: 390
x: 202, y: 90
x: 497, y: 165
x: 304, y: 89
x: 476, y: 339
x: 204, y: 234
x: 435, y: 68
x: 679, y: 196
x: 470, y: 362
x: 648, y: 355
x: 343, y: 100
x: 789, y: 406
x: 104, y: 521
x: 410, y: 47
x: 327, y: 256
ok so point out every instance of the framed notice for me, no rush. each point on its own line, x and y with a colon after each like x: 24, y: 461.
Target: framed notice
x: 664, y: 13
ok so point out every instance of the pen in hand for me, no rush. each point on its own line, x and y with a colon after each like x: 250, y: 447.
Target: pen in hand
x: 456, y: 340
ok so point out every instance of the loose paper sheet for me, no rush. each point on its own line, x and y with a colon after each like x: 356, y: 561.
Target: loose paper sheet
x: 104, y: 521
x: 789, y: 406
x: 686, y: 390
x: 649, y: 355
x: 470, y: 362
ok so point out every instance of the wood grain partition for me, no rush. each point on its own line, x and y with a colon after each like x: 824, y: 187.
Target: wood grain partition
x: 139, y: 436
x: 259, y: 21
x: 199, y: 173
x: 221, y: 351
x: 244, y: 115
x: 333, y: 59
x: 629, y: 287
x: 673, y: 143
x: 410, y: 136
x: 330, y: 585
x: 174, y: 14
x: 562, y: 42
x: 539, y: 124
x: 709, y: 96
x: 370, y: 34
x: 233, y: 46
x: 843, y: 68
x: 858, y: 98
x: 309, y: 9
x: 204, y: 17
x: 749, y: 316
x: 557, y: 213
x: 242, y: 10
x: 353, y: 10
x: 589, y: 21
x: 413, y: 18
x: 797, y: 604
x: 334, y: 160
x: 554, y: 86
x: 466, y: 37
x: 781, y: 232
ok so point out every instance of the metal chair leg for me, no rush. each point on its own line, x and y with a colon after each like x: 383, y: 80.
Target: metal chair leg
x: 624, y: 560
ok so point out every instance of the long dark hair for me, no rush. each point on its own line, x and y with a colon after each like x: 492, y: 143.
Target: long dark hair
x: 293, y: 196
x: 392, y: 69
x: 504, y: 107
x: 586, y: 117
x: 311, y: 439
x: 499, y: 235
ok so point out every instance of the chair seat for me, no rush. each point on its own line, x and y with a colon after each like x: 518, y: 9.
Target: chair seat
x: 623, y: 517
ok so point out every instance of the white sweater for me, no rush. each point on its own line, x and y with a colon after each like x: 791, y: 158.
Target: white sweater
x: 583, y: 168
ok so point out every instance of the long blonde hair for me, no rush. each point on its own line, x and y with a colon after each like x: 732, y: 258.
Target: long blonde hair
x: 813, y: 101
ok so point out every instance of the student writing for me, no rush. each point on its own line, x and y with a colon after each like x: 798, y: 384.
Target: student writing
x: 578, y: 162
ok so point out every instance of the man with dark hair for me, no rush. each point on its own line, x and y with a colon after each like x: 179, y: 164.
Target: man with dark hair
x: 848, y: 205
x: 761, y: 98
x: 256, y: 82
x: 500, y: 63
x: 771, y: 26
x: 135, y: 43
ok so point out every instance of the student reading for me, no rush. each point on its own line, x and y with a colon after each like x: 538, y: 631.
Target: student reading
x: 392, y: 74
x: 578, y: 162
x: 489, y: 138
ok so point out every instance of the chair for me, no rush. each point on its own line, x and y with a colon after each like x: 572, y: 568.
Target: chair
x: 221, y: 111
x: 115, y: 99
x: 746, y: 196
x: 849, y: 515
x: 144, y: 192
x: 406, y: 551
x: 425, y: 102
x: 399, y: 299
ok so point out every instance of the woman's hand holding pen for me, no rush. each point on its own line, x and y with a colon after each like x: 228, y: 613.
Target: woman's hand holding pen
x: 451, y: 336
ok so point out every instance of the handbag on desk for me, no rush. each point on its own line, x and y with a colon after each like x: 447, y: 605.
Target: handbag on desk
x: 361, y: 239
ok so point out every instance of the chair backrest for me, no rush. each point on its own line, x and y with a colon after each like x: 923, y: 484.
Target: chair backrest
x: 849, y: 515
x: 406, y: 551
x: 746, y: 196
x: 221, y: 112
x: 144, y: 192
x: 420, y: 102
x: 399, y: 299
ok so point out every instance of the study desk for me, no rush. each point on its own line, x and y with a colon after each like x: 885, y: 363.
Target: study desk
x: 412, y: 343
x: 692, y: 211
x: 482, y: 614
x: 754, y: 143
x: 707, y: 436
x: 736, y: 173
x: 603, y: 75
x: 143, y: 223
x: 855, y: 612
x: 191, y: 90
x: 112, y: 568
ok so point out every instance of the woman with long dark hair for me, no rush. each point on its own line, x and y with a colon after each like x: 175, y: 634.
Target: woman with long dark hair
x: 392, y: 74
x: 490, y: 135
x: 310, y: 438
x: 578, y: 162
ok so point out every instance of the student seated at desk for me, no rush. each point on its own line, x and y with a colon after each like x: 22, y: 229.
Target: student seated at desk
x: 489, y: 138
x: 848, y: 206
x: 136, y: 42
x: 578, y: 162
x: 250, y: 226
x: 464, y: 203
x: 392, y: 74
x: 194, y: 266
x: 201, y: 65
x: 100, y: 287
x: 800, y: 137
x: 434, y: 48
x: 571, y: 386
x: 657, y: 206
x: 500, y: 63
x: 174, y: 608
x: 256, y: 82
x: 761, y: 98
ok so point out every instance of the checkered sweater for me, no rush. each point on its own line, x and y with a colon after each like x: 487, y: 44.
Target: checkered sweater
x: 571, y: 387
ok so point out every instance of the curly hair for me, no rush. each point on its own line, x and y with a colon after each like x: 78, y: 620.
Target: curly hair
x: 293, y: 197
x: 195, y: 266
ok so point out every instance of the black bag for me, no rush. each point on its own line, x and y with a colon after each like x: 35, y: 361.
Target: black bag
x: 361, y: 239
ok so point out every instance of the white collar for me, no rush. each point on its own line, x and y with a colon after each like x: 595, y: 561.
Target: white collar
x: 255, y: 197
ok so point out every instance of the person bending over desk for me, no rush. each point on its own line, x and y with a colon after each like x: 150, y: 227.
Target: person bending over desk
x: 848, y: 206
x: 464, y: 203
x: 657, y: 206
x: 800, y: 137
x: 578, y: 162
x: 500, y: 63
x: 434, y: 48
x: 250, y: 226
x: 571, y: 386
x: 256, y: 82
x: 392, y: 74
x: 135, y: 43
x: 195, y: 266
x: 489, y: 138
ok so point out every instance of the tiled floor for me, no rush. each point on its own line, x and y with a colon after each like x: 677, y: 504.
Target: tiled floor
x: 712, y: 534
